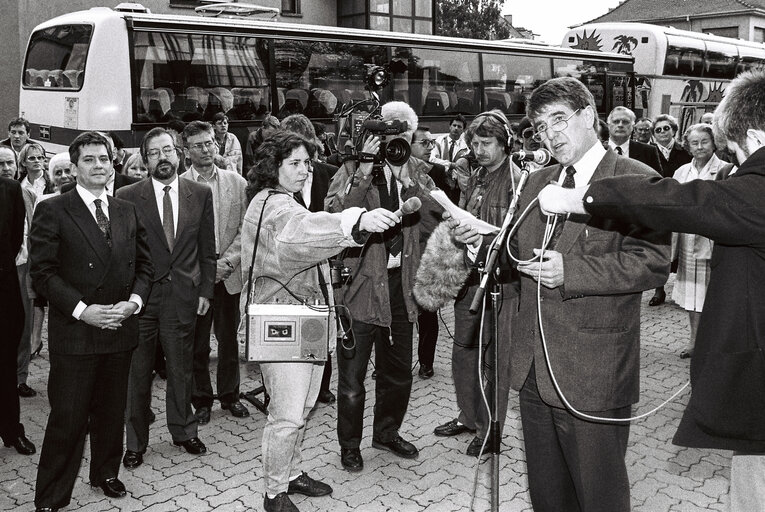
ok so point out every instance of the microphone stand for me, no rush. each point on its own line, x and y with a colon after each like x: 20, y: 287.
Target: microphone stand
x: 492, y: 267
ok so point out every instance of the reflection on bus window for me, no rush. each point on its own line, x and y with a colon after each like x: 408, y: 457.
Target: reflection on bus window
x: 317, y: 78
x: 592, y: 75
x: 509, y: 80
x: 56, y: 57
x: 437, y: 82
x: 195, y: 76
x: 684, y: 58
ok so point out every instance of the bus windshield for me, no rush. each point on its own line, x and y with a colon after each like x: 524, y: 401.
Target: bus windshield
x: 56, y: 57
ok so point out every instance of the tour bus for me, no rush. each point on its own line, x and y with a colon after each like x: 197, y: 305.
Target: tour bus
x: 114, y: 70
x: 677, y: 72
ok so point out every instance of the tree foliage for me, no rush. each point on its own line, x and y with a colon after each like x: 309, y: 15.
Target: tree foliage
x: 477, y: 19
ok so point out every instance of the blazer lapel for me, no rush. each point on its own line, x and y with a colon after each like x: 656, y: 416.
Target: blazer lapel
x: 87, y: 224
x: 224, y: 194
x: 184, y: 205
x: 576, y: 223
x: 149, y: 206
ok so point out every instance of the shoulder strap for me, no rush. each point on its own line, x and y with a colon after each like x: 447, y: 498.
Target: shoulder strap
x: 255, y: 248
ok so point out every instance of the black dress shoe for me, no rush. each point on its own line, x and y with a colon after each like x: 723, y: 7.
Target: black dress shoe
x: 452, y: 428
x: 132, y: 459
x: 203, y: 415
x: 23, y: 445
x: 194, y: 446
x: 474, y: 448
x: 426, y: 371
x: 398, y: 446
x: 306, y: 485
x: 280, y: 503
x: 326, y: 397
x: 351, y: 459
x: 113, y: 488
x: 25, y: 391
x: 46, y: 509
x: 658, y: 299
x: 237, y: 409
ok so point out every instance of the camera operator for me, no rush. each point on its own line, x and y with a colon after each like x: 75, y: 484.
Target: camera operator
x: 293, y: 246
x: 379, y: 293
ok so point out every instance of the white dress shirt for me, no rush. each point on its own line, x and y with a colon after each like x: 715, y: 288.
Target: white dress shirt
x: 625, y: 148
x: 90, y: 202
x: 159, y: 194
x: 586, y: 166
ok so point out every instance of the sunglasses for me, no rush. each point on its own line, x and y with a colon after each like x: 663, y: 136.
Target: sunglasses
x: 660, y: 129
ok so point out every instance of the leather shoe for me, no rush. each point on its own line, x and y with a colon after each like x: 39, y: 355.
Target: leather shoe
x: 351, y: 459
x: 306, y: 485
x: 113, y: 488
x: 194, y: 446
x: 474, y: 448
x: 280, y: 503
x: 132, y: 459
x: 398, y: 446
x: 25, y: 391
x: 452, y: 428
x: 203, y: 415
x: 238, y: 410
x: 658, y: 299
x: 46, y: 509
x: 23, y: 445
x: 426, y: 371
x: 327, y: 397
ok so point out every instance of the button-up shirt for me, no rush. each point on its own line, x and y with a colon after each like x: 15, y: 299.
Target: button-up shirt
x: 611, y: 144
x: 586, y: 166
x: 38, y: 187
x: 159, y: 194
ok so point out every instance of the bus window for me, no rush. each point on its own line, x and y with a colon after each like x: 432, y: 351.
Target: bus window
x: 590, y: 74
x: 509, y: 80
x: 317, y: 78
x: 194, y: 76
x: 56, y: 57
x: 438, y: 82
x: 720, y: 60
x: 750, y: 59
x: 685, y: 57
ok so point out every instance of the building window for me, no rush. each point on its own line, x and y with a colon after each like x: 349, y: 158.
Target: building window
x: 731, y: 32
x: 397, y: 15
x: 759, y: 35
x: 290, y: 6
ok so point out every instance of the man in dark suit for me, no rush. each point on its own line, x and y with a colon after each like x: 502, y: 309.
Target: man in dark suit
x: 179, y: 219
x: 621, y: 122
x: 591, y: 275
x: 12, y: 218
x: 115, y: 182
x: 229, y: 193
x: 90, y: 258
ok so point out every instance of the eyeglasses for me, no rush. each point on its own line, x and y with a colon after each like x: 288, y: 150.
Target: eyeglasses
x: 660, y: 129
x: 167, y: 151
x: 426, y: 143
x: 200, y: 145
x: 556, y: 126
x: 35, y: 158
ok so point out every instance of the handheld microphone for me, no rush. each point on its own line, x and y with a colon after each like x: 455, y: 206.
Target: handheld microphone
x: 411, y: 205
x: 539, y: 157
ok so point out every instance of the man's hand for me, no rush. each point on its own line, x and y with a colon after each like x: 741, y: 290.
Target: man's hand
x: 102, y: 316
x: 549, y: 272
x: 204, y: 305
x: 554, y: 199
x: 462, y: 233
x: 222, y: 271
x: 125, y: 308
x: 377, y: 220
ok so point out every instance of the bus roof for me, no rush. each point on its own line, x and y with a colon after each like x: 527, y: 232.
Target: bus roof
x: 173, y: 22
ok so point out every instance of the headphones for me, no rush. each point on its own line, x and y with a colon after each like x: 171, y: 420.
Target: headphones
x: 505, y: 124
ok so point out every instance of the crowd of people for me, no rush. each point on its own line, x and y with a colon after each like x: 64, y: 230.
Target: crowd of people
x: 141, y: 257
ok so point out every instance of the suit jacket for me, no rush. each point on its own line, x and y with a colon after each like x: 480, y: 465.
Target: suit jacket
x: 232, y: 205
x: 591, y: 322
x: 645, y: 153
x: 120, y: 180
x: 727, y: 406
x: 12, y: 234
x: 11, y: 223
x: 677, y: 156
x: 71, y: 262
x: 191, y: 265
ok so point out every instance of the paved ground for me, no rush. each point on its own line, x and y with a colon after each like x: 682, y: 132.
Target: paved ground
x: 664, y: 477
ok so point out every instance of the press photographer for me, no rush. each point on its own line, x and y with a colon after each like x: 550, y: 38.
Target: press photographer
x: 290, y: 246
x: 379, y: 295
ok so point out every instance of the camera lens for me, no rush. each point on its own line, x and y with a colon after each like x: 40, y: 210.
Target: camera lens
x: 397, y: 151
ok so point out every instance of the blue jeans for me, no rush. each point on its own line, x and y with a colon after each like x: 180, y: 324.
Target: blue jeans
x: 293, y: 388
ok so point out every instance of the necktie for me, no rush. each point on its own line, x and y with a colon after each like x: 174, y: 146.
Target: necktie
x: 299, y: 198
x: 619, y: 150
x: 568, y: 182
x: 451, y: 150
x: 167, y: 219
x: 103, y: 222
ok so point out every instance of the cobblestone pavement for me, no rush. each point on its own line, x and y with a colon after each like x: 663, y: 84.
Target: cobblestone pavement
x: 664, y: 477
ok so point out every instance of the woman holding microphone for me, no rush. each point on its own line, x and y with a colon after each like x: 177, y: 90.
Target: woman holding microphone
x: 291, y: 267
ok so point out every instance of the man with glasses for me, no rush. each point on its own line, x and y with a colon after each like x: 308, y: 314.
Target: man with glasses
x: 621, y: 122
x: 644, y: 130
x: 591, y: 275
x: 229, y: 206
x: 180, y: 221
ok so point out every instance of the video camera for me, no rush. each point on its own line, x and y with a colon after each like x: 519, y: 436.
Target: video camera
x: 362, y: 119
